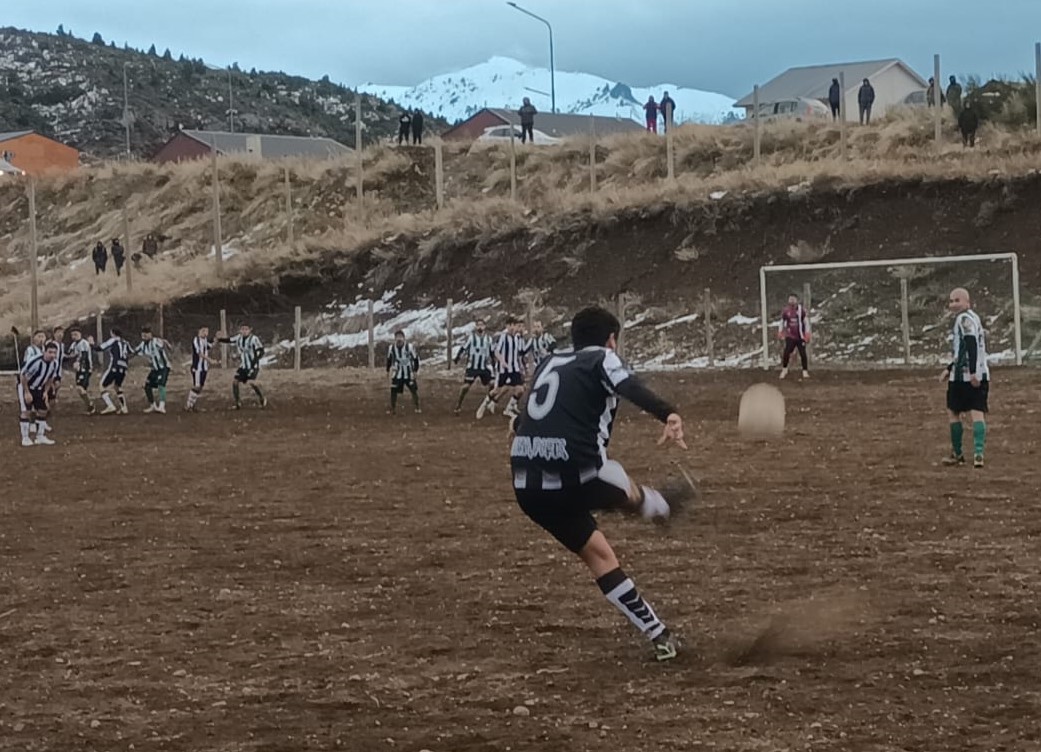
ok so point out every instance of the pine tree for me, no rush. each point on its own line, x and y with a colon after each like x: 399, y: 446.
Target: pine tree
x: 61, y: 30
x: 151, y: 51
x: 167, y: 55
x: 97, y: 39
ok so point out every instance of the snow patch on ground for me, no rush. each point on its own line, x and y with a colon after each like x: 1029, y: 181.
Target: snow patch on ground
x: 681, y: 320
x: 742, y: 320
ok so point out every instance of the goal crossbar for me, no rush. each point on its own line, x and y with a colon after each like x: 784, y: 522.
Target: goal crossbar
x: 923, y: 261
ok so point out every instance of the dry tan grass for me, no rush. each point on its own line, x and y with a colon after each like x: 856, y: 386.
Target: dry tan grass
x: 553, y: 189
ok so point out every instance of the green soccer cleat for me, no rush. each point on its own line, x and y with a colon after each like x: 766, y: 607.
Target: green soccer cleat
x: 665, y: 647
x: 977, y: 461
x: 954, y: 460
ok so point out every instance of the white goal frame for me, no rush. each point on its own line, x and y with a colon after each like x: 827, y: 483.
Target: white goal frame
x: 926, y: 261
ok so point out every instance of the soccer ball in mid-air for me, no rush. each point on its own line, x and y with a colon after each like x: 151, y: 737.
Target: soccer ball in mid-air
x: 761, y: 413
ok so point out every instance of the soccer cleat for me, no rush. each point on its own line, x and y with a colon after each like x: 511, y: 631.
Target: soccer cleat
x: 954, y: 460
x: 456, y: 411
x: 491, y: 407
x: 784, y: 372
x: 42, y: 440
x: 263, y: 402
x: 481, y: 410
x: 977, y: 461
x: 124, y: 410
x: 161, y: 409
x: 237, y: 406
x: 665, y: 647
x: 92, y: 410
x: 806, y: 374
x: 27, y: 442
x: 418, y: 411
x: 150, y: 409
x: 109, y: 410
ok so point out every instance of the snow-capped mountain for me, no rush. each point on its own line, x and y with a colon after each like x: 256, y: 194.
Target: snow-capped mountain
x: 504, y: 82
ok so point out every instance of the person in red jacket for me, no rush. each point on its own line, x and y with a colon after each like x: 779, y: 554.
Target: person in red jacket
x: 651, y: 111
x: 795, y: 331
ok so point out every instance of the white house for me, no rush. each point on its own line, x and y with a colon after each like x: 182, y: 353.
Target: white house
x: 892, y: 80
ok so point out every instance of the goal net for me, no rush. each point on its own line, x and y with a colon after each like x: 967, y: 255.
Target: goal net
x: 894, y: 311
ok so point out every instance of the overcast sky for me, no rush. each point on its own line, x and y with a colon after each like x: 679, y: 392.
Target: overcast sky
x: 719, y: 45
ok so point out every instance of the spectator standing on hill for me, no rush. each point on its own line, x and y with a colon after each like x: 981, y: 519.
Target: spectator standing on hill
x: 835, y: 98
x: 151, y: 246
x: 668, y: 110
x: 954, y: 95
x: 968, y: 124
x: 100, y: 256
x: 651, y: 111
x: 527, y: 114
x: 118, y: 256
x: 866, y: 98
x: 417, y: 126
x: 930, y: 94
x: 404, y: 126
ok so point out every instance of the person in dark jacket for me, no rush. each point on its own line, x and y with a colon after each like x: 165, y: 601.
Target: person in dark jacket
x: 968, y: 124
x: 118, y: 256
x: 667, y: 107
x: 100, y: 256
x: 954, y: 95
x: 417, y: 126
x: 835, y: 98
x: 866, y: 98
x: 527, y: 114
x: 404, y: 126
x: 930, y: 94
x: 651, y: 111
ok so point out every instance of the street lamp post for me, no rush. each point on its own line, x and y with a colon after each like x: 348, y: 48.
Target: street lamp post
x: 126, y: 108
x: 552, y: 72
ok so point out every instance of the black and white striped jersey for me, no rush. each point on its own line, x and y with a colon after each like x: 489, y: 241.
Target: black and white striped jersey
x: 59, y: 357
x: 201, y: 354
x: 31, y: 352
x: 79, y: 354
x: 969, y: 345
x: 509, y: 353
x: 478, y: 352
x: 118, y: 351
x: 402, y: 362
x: 251, y: 350
x: 155, y: 350
x: 541, y: 346
x: 38, y: 372
x: 564, y: 430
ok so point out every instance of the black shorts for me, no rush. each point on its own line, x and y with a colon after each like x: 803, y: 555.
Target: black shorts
x: 83, y: 379
x: 963, y: 397
x: 113, y: 377
x: 566, y: 513
x: 512, y: 378
x: 37, y: 401
x: 399, y: 385
x: 199, y: 378
x: 247, y: 374
x: 157, y: 377
x: 473, y: 374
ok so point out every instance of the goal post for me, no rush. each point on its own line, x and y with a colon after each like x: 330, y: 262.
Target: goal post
x: 1012, y: 258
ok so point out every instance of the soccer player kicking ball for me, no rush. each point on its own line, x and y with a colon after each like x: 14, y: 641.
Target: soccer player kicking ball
x: 251, y: 350
x: 967, y: 378
x: 402, y: 365
x: 118, y: 350
x: 561, y: 472
x: 159, y: 370
x: 509, y: 358
x: 794, y: 329
x: 35, y: 380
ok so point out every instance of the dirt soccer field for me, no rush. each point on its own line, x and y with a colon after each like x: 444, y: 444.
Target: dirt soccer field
x: 320, y: 576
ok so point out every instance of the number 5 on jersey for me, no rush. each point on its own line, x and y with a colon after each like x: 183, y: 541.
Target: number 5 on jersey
x: 540, y: 404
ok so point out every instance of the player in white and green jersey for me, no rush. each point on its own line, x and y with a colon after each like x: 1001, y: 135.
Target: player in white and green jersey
x: 154, y: 349
x: 968, y: 379
x: 251, y: 351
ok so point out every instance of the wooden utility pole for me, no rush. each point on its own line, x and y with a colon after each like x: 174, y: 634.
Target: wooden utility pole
x: 439, y: 174
x: 297, y: 326
x: 289, y: 209
x: 709, y: 345
x: 128, y: 250
x: 34, y: 285
x: 756, y: 136
x: 842, y: 115
x: 513, y: 166
x: 449, y: 327
x: 670, y: 155
x: 937, y: 100
x: 218, y: 240
x: 1037, y: 84
x: 905, y: 321
x: 370, y: 323
x: 358, y: 146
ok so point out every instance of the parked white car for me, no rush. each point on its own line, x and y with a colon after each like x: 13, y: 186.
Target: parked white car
x: 803, y: 109
x: 501, y: 134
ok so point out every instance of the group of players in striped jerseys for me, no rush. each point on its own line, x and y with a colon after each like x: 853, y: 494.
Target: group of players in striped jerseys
x: 501, y: 366
x: 43, y: 362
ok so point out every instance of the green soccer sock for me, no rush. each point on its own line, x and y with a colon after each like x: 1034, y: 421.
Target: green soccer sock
x: 162, y: 394
x: 979, y: 436
x: 235, y: 392
x: 956, y: 434
x: 149, y: 395
x: 256, y: 390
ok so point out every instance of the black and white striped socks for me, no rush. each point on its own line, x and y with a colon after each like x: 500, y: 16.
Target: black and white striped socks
x: 620, y: 590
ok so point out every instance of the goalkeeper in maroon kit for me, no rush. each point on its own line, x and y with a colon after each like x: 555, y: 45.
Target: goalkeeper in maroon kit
x: 795, y: 331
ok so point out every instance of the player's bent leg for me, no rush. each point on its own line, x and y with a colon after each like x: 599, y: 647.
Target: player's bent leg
x: 632, y: 498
